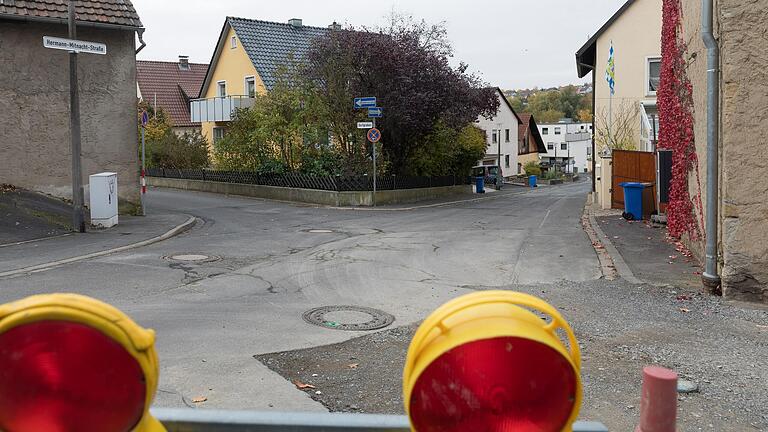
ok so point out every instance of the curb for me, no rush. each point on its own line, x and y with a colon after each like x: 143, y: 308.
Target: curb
x: 40, y: 267
x: 618, y: 266
x: 383, y: 209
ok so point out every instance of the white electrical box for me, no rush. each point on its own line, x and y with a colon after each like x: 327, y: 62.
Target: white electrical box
x: 103, y: 199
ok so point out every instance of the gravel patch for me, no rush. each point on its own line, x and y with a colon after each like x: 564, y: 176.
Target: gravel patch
x: 719, y: 346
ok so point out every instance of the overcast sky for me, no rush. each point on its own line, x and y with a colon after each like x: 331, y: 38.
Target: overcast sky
x: 510, y: 43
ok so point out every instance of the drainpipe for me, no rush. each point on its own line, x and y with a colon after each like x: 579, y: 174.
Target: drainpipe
x: 710, y: 278
x: 140, y: 33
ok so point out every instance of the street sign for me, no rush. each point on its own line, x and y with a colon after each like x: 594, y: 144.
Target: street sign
x: 364, y: 125
x: 365, y: 102
x: 375, y: 112
x: 374, y: 135
x: 75, y: 45
x: 144, y: 119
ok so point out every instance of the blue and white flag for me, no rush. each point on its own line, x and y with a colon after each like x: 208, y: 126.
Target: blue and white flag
x: 610, y: 71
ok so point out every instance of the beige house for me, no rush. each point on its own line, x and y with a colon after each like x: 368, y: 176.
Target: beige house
x: 742, y: 235
x: 628, y: 119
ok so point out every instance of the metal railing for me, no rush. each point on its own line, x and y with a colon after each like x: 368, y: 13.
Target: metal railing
x: 202, y: 420
x: 217, y: 109
x: 306, y: 181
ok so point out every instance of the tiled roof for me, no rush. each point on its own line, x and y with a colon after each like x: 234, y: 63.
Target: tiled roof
x: 107, y: 12
x: 522, y: 128
x: 270, y: 45
x: 172, y: 85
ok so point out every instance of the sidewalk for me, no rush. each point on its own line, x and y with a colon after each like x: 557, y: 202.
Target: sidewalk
x: 647, y: 251
x: 131, y: 231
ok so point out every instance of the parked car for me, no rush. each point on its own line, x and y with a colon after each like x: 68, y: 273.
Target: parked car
x: 490, y: 173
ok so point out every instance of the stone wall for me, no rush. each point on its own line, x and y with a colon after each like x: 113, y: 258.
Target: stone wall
x: 34, y: 99
x: 741, y: 28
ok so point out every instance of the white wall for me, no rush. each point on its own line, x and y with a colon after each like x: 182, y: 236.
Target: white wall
x: 578, y: 148
x: 504, y: 120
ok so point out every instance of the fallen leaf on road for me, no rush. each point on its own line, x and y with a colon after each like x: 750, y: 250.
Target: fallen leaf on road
x: 199, y: 399
x: 684, y: 310
x: 650, y: 238
x: 301, y: 386
x: 673, y: 257
x: 683, y: 297
x: 353, y: 365
x: 615, y: 237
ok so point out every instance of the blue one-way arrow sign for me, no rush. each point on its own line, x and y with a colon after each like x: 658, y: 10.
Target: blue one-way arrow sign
x: 375, y: 112
x: 365, y: 102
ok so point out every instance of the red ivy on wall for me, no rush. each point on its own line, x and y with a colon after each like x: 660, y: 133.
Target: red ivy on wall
x: 675, y: 104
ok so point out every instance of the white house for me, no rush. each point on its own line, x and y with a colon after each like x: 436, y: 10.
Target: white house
x: 568, y: 144
x: 501, y: 137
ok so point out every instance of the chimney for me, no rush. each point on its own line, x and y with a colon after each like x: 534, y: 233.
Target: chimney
x: 295, y: 22
x: 335, y: 26
x: 184, y: 62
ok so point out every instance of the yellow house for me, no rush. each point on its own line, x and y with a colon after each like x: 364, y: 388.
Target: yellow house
x: 245, y: 62
x: 634, y: 33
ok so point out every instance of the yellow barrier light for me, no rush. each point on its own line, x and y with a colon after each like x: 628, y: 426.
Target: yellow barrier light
x: 487, y: 362
x: 69, y: 363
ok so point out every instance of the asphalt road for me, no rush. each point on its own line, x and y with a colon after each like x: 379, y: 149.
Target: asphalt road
x: 212, y: 318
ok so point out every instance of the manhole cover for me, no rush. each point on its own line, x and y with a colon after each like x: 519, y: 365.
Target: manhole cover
x: 350, y: 318
x: 199, y: 258
x: 320, y: 231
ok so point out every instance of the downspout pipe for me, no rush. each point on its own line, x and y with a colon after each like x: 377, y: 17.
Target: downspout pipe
x: 710, y: 277
x: 140, y: 33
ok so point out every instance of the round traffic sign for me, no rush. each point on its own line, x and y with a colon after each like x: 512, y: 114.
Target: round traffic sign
x: 374, y: 135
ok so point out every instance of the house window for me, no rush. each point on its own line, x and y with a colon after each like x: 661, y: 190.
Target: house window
x: 495, y: 138
x: 221, y: 89
x: 550, y: 146
x: 653, y: 72
x: 563, y: 146
x: 506, y: 161
x: 589, y: 151
x: 506, y: 134
x: 545, y: 131
x: 218, y: 134
x: 250, y: 86
x: 557, y: 131
x: 519, y: 168
x: 233, y: 42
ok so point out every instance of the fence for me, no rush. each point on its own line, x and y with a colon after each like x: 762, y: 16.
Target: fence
x: 305, y: 181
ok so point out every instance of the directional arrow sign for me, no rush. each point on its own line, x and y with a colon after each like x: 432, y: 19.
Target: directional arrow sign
x: 375, y: 112
x: 365, y: 102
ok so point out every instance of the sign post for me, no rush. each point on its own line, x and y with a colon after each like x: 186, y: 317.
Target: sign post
x: 374, y: 136
x: 144, y: 121
x: 75, y: 46
x: 78, y: 196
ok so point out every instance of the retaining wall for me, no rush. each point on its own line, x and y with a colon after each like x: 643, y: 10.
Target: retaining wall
x: 312, y: 196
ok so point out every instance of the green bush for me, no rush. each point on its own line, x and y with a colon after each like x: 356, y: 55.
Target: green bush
x: 532, y: 168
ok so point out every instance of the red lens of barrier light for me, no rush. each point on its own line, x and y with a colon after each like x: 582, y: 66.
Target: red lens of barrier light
x: 494, y: 385
x: 59, y: 376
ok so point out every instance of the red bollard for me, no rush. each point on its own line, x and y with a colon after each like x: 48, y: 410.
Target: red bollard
x: 658, y: 406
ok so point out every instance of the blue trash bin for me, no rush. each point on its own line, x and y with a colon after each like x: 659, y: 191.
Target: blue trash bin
x: 532, y: 181
x: 480, y: 184
x: 633, y: 200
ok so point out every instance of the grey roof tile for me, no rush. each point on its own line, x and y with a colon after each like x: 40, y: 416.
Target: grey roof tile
x: 270, y: 45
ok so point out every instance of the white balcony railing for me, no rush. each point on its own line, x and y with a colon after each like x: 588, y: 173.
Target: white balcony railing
x: 217, y: 109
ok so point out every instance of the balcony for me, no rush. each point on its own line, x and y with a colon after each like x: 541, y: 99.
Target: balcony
x: 217, y: 109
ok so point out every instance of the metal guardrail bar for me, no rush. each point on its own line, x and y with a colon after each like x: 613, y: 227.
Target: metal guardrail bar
x: 202, y: 420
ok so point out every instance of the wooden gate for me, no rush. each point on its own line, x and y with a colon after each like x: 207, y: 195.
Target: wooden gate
x: 634, y: 166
